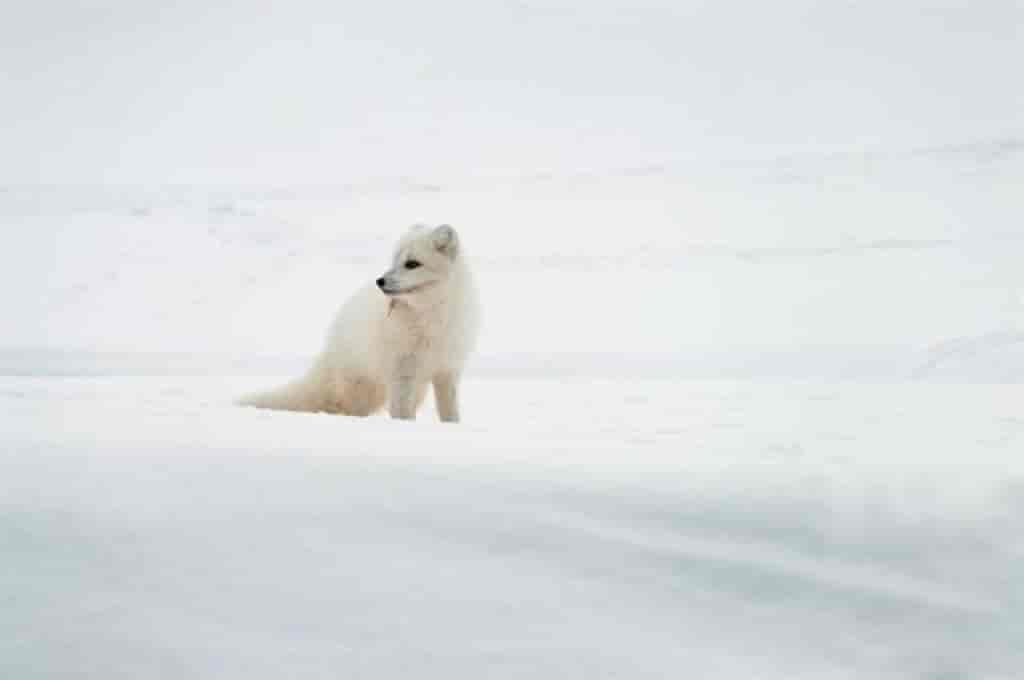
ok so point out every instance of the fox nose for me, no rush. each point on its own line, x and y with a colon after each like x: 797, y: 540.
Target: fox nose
x: 381, y: 282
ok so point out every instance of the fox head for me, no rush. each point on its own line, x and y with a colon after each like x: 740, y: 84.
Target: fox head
x: 424, y: 261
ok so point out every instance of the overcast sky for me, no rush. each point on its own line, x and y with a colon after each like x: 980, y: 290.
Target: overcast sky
x: 138, y: 91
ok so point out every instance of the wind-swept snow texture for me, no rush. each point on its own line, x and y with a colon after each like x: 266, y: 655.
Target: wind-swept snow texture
x: 576, y: 529
x: 898, y: 265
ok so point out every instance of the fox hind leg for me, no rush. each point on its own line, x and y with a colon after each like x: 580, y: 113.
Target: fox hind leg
x: 357, y: 397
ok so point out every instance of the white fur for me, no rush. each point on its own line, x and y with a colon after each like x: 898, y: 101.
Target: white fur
x: 391, y: 341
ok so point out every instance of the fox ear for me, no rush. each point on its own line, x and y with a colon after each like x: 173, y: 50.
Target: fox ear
x: 446, y: 240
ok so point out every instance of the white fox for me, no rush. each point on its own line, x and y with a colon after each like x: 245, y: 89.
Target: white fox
x: 415, y: 327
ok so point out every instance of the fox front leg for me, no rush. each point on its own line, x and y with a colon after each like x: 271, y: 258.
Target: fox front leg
x: 446, y: 394
x: 403, y: 389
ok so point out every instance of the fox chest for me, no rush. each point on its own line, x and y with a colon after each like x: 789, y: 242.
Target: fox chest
x: 422, y: 340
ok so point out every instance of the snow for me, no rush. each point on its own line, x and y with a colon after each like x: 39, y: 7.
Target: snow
x: 841, y: 266
x: 744, y: 420
x: 575, y: 528
x: 748, y: 398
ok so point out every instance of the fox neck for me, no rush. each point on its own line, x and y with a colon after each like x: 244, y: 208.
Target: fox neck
x: 431, y: 302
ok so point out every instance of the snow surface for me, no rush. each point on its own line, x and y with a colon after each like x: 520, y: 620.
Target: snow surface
x: 735, y: 421
x: 898, y: 265
x: 573, y: 529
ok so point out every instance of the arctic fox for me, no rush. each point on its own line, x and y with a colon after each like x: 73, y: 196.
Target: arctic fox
x: 414, y: 327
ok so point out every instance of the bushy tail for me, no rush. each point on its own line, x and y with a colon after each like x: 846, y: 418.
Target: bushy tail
x: 304, y: 394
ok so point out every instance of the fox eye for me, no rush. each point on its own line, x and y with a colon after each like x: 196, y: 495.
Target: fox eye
x: 412, y: 264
